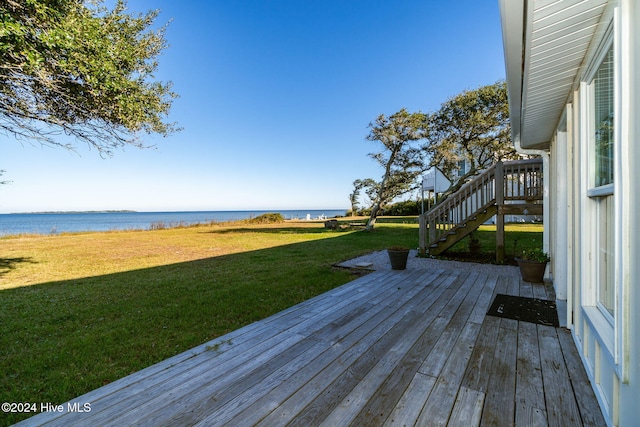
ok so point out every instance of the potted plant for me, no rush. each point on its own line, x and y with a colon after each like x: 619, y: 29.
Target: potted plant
x: 398, y: 256
x: 532, y: 264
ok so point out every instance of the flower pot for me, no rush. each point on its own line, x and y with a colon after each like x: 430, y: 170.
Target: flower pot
x: 398, y: 258
x: 532, y: 271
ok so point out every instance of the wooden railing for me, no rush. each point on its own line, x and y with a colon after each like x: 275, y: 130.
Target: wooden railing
x: 508, y: 181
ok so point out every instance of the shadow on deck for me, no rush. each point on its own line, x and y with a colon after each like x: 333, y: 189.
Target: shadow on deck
x: 412, y: 347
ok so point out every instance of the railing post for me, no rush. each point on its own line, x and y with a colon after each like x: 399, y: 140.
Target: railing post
x: 500, y: 216
x: 422, y: 236
x: 432, y: 229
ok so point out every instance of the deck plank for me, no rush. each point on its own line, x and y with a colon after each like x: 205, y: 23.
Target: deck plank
x: 440, y: 403
x: 382, y: 404
x: 389, y: 348
x: 499, y: 403
x: 539, y: 291
x: 478, y: 369
x: 316, y: 378
x: 591, y: 416
x: 256, y: 349
x: 562, y: 408
x: 484, y: 300
x: 354, y: 339
x: 467, y: 409
x: 337, y: 401
x: 530, y: 404
x: 408, y: 408
x: 526, y: 289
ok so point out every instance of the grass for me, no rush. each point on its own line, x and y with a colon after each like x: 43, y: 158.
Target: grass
x: 78, y: 311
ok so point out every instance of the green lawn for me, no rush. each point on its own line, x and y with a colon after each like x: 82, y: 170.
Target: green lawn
x: 78, y: 311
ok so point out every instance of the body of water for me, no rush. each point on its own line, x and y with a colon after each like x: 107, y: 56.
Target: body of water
x: 53, y: 223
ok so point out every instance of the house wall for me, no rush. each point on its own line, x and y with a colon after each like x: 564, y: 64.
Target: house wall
x: 630, y: 388
x: 610, y: 352
x: 560, y: 221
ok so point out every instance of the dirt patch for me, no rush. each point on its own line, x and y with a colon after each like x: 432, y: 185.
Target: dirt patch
x: 481, y: 258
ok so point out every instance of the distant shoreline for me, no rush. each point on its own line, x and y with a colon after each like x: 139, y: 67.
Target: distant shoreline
x: 70, y: 212
x: 55, y: 222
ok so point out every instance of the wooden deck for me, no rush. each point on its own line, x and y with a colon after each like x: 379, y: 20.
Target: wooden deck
x: 411, y: 347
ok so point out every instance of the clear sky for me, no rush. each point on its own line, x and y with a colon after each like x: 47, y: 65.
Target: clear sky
x: 275, y: 100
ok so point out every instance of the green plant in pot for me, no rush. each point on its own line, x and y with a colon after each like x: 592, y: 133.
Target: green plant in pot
x: 398, y: 256
x: 532, y: 264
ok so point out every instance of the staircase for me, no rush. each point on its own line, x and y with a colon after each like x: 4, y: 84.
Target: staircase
x: 506, y: 188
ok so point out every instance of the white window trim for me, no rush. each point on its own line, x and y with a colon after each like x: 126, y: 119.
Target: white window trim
x: 611, y: 331
x: 603, y: 190
x: 606, y: 327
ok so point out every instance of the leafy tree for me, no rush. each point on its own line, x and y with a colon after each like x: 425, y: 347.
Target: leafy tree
x: 473, y: 126
x: 401, y: 161
x: 404, y: 208
x: 354, y: 197
x: 77, y: 68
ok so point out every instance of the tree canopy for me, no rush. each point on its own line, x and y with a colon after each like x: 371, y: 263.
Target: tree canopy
x: 82, y: 70
x: 401, y: 161
x: 473, y: 127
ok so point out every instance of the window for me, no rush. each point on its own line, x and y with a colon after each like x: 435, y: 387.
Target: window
x: 462, y: 167
x: 603, y: 120
x: 602, y: 107
x: 605, y: 255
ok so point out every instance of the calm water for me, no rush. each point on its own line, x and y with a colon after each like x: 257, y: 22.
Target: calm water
x: 73, y: 222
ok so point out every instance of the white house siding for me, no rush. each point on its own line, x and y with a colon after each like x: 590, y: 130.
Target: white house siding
x: 630, y: 388
x: 610, y: 353
x: 561, y: 203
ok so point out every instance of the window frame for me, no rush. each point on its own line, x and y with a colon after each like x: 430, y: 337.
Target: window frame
x: 605, y: 325
x: 597, y: 193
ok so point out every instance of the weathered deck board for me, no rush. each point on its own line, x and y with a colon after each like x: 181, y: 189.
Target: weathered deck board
x: 562, y: 408
x: 390, y: 348
x: 499, y: 401
x: 467, y: 408
x: 591, y: 416
x: 529, y: 389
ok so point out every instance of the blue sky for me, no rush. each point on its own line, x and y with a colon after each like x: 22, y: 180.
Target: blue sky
x: 275, y: 100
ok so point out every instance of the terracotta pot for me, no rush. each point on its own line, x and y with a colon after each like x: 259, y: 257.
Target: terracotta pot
x: 532, y: 271
x: 398, y: 258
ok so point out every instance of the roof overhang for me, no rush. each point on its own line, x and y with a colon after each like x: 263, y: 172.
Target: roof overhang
x: 545, y: 46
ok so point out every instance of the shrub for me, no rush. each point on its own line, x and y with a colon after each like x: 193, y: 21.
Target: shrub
x: 404, y: 208
x: 268, y: 218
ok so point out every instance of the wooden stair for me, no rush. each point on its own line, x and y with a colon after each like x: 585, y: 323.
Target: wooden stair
x: 514, y: 188
x: 462, y: 230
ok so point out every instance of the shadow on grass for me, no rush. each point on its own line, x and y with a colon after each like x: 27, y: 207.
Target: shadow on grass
x: 346, y: 225
x: 8, y: 264
x: 280, y: 230
x: 62, y: 339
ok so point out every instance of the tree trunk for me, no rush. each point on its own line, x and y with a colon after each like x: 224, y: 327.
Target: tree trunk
x: 372, y: 219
